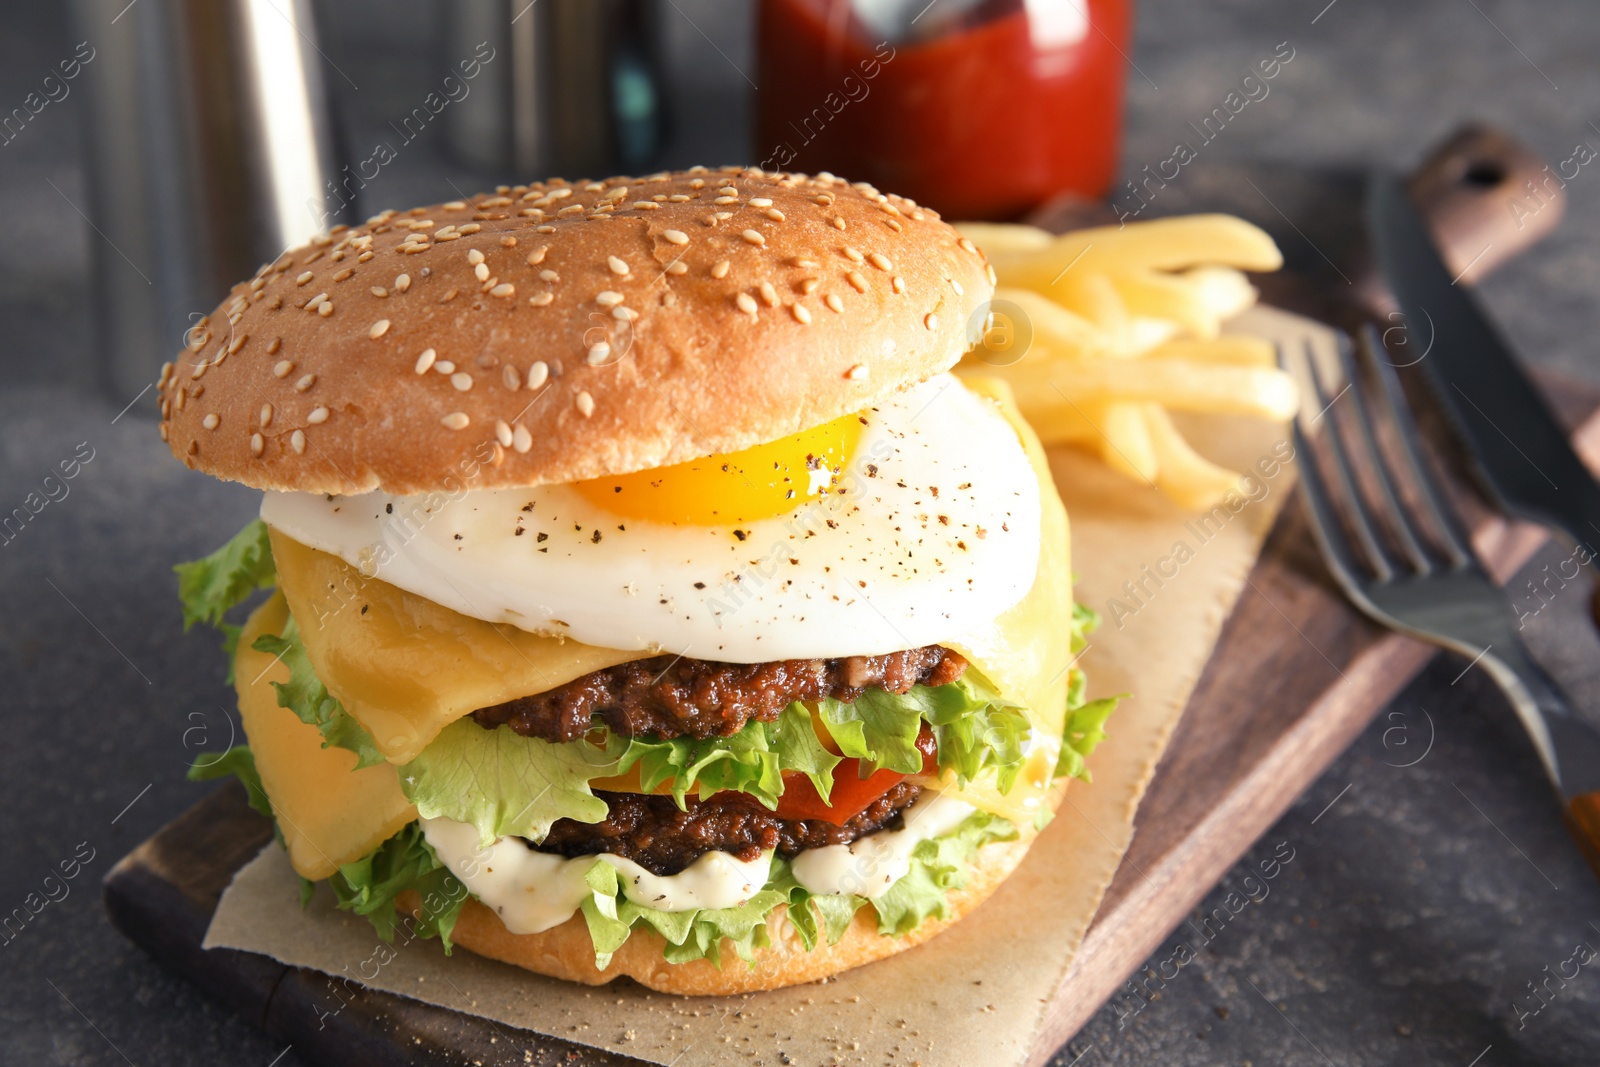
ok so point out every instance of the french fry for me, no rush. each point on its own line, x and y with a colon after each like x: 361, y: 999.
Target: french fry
x: 1193, y: 482
x: 1233, y: 350
x: 1165, y: 296
x: 1186, y: 385
x: 1160, y: 244
x: 1125, y: 442
x: 1225, y: 291
x: 1055, y: 329
x: 1002, y: 238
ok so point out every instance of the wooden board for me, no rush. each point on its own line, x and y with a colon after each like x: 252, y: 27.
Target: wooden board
x: 1231, y: 770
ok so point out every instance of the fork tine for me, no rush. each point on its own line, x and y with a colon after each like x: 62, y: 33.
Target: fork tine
x: 1456, y: 542
x: 1360, y: 519
x: 1399, y: 515
x: 1336, y: 547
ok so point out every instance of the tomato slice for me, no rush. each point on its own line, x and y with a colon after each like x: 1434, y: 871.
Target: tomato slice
x: 852, y: 794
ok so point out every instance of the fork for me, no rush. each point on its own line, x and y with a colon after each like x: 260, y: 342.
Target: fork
x: 1432, y: 588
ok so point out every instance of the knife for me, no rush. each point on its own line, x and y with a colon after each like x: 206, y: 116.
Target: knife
x: 1517, y: 447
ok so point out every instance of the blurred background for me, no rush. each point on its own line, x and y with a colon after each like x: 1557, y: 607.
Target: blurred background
x: 131, y: 198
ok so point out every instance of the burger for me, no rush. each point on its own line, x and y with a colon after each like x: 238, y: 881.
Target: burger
x: 645, y: 596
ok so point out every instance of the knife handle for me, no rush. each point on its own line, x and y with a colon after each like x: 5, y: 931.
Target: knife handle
x: 1583, y: 819
x: 1487, y: 197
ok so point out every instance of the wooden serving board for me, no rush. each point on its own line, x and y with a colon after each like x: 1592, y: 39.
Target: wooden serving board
x: 1230, y: 771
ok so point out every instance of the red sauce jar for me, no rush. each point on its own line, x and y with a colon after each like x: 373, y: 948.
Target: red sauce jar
x: 981, y: 109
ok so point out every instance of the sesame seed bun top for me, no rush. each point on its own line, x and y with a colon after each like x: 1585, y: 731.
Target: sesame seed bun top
x: 555, y: 332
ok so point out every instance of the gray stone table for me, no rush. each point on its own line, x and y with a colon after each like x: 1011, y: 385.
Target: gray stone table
x: 1422, y: 900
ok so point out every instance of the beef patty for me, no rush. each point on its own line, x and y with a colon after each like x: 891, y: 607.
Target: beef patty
x: 654, y: 833
x: 673, y: 696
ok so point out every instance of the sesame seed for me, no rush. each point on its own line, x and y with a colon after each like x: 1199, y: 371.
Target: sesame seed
x: 318, y: 416
x: 258, y: 444
x: 474, y: 257
x: 728, y: 190
x: 508, y: 242
x: 857, y: 282
x: 573, y: 209
x: 266, y: 416
x: 363, y: 257
x: 679, y: 198
x: 211, y: 421
x: 379, y: 291
x: 957, y: 287
x: 720, y: 270
x: 857, y: 373
x: 746, y: 303
x: 304, y: 277
x: 719, y: 217
x: 898, y: 284
x: 769, y: 295
x: 536, y: 257
x: 677, y: 266
x: 273, y: 346
x: 754, y: 238
x: 585, y: 404
x: 511, y: 377
x: 833, y: 302
x: 456, y: 420
x: 180, y: 400
x: 444, y: 366
x: 852, y: 255
x: 379, y: 328
x: 283, y: 368
x: 547, y: 228
x: 760, y: 201
x: 617, y: 265
x: 881, y: 261
x: 931, y: 321
x: 988, y: 270
x: 425, y: 360
x: 521, y: 439
x: 305, y: 383
x: 342, y: 275
x: 608, y: 298
x: 808, y: 285
x: 325, y: 308
x: 677, y: 237
x: 774, y: 214
x: 805, y: 264
x: 314, y: 302
x: 625, y: 314
x: 549, y: 276
x: 238, y: 343
x: 598, y: 353
x: 503, y: 289
x: 473, y: 227
x: 967, y: 245
x: 461, y: 380
x: 801, y: 315
x: 297, y: 441
x: 163, y: 427
x: 538, y: 374
x: 893, y: 225
x: 402, y: 282
x: 481, y: 272
x: 645, y: 205
x: 541, y: 300
x: 502, y: 432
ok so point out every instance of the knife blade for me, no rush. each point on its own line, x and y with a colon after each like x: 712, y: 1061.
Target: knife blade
x: 1516, y: 444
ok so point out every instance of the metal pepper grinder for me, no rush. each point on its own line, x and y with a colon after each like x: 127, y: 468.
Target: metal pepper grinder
x: 210, y: 146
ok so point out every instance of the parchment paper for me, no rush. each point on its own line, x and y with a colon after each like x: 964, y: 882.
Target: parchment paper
x: 978, y: 992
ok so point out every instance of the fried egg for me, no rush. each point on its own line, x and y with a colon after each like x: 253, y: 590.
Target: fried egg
x: 901, y: 526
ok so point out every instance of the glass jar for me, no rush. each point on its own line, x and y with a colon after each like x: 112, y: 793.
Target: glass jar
x: 981, y: 109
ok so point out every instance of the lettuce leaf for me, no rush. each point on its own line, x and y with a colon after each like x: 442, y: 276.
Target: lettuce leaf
x: 977, y: 730
x: 209, y: 588
x: 937, y: 866
x: 370, y: 886
x: 306, y: 696
x: 237, y: 762
x: 1086, y: 719
x: 506, y: 784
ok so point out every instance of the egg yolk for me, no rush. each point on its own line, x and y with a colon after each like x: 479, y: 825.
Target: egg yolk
x: 757, y: 483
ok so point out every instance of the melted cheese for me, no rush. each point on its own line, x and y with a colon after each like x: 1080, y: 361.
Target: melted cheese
x: 330, y: 814
x: 406, y: 667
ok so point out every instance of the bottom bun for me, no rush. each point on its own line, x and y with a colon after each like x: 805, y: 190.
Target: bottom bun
x: 566, y: 951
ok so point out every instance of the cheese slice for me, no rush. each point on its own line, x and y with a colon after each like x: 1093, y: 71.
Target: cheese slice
x: 329, y: 812
x: 406, y: 667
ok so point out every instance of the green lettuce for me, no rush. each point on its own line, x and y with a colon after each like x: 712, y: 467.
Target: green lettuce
x: 209, y: 588
x: 237, y: 762
x: 370, y: 886
x: 306, y: 696
x: 938, y: 865
x: 1086, y: 719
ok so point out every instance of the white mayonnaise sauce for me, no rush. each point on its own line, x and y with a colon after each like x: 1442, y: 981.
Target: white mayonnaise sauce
x: 869, y: 865
x: 533, y: 891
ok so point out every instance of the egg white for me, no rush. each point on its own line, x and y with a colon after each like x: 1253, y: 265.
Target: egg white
x: 932, y: 529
